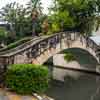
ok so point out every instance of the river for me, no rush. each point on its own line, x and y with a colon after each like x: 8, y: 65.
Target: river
x: 85, y: 87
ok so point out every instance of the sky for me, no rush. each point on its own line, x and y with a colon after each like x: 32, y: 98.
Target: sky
x: 45, y: 3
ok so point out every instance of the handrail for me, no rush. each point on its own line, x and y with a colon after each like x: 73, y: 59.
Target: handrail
x: 38, y: 40
x: 8, y: 47
x: 18, y: 47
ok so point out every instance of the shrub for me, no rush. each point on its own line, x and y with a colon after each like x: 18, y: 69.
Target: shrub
x: 3, y: 33
x: 69, y: 57
x: 27, y: 78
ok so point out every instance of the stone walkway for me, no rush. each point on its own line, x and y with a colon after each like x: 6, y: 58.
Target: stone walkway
x: 4, y: 95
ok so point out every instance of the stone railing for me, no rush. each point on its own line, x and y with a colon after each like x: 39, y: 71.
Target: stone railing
x: 37, y: 46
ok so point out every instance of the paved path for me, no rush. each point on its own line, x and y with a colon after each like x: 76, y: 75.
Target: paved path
x: 4, y: 95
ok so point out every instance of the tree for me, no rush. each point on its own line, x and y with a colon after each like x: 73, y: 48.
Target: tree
x: 35, y: 9
x: 8, y: 14
x: 77, y: 13
x: 16, y: 16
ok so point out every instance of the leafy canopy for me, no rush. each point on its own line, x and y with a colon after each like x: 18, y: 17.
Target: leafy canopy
x: 82, y: 14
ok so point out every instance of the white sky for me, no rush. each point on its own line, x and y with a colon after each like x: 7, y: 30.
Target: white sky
x: 45, y: 3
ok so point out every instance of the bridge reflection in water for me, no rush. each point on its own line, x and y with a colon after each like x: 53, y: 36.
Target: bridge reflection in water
x: 85, y: 87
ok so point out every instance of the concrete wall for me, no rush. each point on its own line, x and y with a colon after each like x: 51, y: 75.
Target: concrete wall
x: 60, y: 73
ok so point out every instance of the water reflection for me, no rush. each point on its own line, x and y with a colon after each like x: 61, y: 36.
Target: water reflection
x: 84, y: 87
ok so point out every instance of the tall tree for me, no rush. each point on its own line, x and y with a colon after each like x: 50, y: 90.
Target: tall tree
x: 35, y: 9
x: 77, y: 13
x: 16, y: 16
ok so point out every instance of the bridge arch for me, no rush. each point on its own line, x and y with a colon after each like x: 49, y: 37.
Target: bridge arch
x: 81, y: 52
x: 93, y: 61
x: 83, y: 58
x: 38, y: 51
x: 80, y: 42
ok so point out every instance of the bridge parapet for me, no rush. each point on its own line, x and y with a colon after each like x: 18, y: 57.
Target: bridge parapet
x: 30, y: 52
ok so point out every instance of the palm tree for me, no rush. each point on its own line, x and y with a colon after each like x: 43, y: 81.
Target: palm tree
x: 34, y: 8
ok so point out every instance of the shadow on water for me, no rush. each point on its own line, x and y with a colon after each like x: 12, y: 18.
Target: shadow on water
x: 84, y: 87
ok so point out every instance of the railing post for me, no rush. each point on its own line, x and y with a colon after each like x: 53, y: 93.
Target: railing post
x: 60, y: 37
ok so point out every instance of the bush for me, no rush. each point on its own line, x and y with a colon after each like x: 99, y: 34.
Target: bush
x: 27, y: 78
x: 69, y: 57
x: 3, y: 33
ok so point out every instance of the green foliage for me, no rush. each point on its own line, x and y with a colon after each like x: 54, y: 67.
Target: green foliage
x: 27, y: 78
x: 65, y: 20
x: 3, y: 33
x: 69, y: 57
x: 18, y: 17
x: 77, y: 13
x: 15, y: 44
x: 55, y: 27
x: 36, y: 5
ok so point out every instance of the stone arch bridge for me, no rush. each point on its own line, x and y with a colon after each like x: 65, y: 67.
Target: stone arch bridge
x: 40, y: 49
